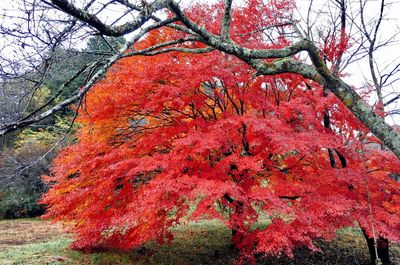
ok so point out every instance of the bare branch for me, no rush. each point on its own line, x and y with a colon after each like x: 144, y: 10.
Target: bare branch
x: 161, y: 45
x: 392, y: 100
x: 179, y: 49
x: 96, y: 77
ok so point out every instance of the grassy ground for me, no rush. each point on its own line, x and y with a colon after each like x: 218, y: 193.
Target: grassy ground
x: 30, y: 241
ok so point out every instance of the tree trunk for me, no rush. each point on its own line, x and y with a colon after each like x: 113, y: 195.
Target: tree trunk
x: 237, y: 236
x: 382, y: 247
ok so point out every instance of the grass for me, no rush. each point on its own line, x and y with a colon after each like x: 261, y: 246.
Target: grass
x: 31, y: 241
x: 200, y: 243
x: 36, y: 253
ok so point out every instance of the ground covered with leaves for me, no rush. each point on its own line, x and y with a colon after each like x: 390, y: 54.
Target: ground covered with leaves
x: 31, y: 241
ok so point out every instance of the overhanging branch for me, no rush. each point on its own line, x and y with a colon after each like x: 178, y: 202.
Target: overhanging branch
x: 144, y: 15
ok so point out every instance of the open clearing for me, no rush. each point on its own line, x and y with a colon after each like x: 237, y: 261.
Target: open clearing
x: 26, y: 231
x: 31, y: 241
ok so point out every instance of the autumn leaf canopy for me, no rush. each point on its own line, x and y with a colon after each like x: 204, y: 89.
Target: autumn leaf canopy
x: 179, y: 137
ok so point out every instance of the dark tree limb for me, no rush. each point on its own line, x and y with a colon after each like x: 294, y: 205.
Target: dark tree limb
x: 91, y: 19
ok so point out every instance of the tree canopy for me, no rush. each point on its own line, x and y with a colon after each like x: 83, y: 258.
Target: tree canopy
x: 176, y: 137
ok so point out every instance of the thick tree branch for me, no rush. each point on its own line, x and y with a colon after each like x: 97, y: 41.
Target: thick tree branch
x: 91, y: 19
x: 226, y: 21
x: 232, y: 48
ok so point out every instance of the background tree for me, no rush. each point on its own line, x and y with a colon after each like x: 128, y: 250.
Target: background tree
x: 21, y: 167
x: 27, y: 155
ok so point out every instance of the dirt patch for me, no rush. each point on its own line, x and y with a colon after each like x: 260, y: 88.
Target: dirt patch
x: 21, y: 232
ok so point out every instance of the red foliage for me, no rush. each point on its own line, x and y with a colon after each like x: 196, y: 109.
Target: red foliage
x: 165, y: 133
x: 334, y: 46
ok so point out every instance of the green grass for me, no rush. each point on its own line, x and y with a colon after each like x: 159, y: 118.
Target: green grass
x: 36, y: 253
x: 205, y: 242
x: 198, y: 243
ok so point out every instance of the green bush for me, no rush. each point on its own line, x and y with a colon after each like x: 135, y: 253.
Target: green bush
x: 19, y: 203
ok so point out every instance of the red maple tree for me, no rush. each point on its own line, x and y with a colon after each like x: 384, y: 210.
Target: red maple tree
x: 178, y: 137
